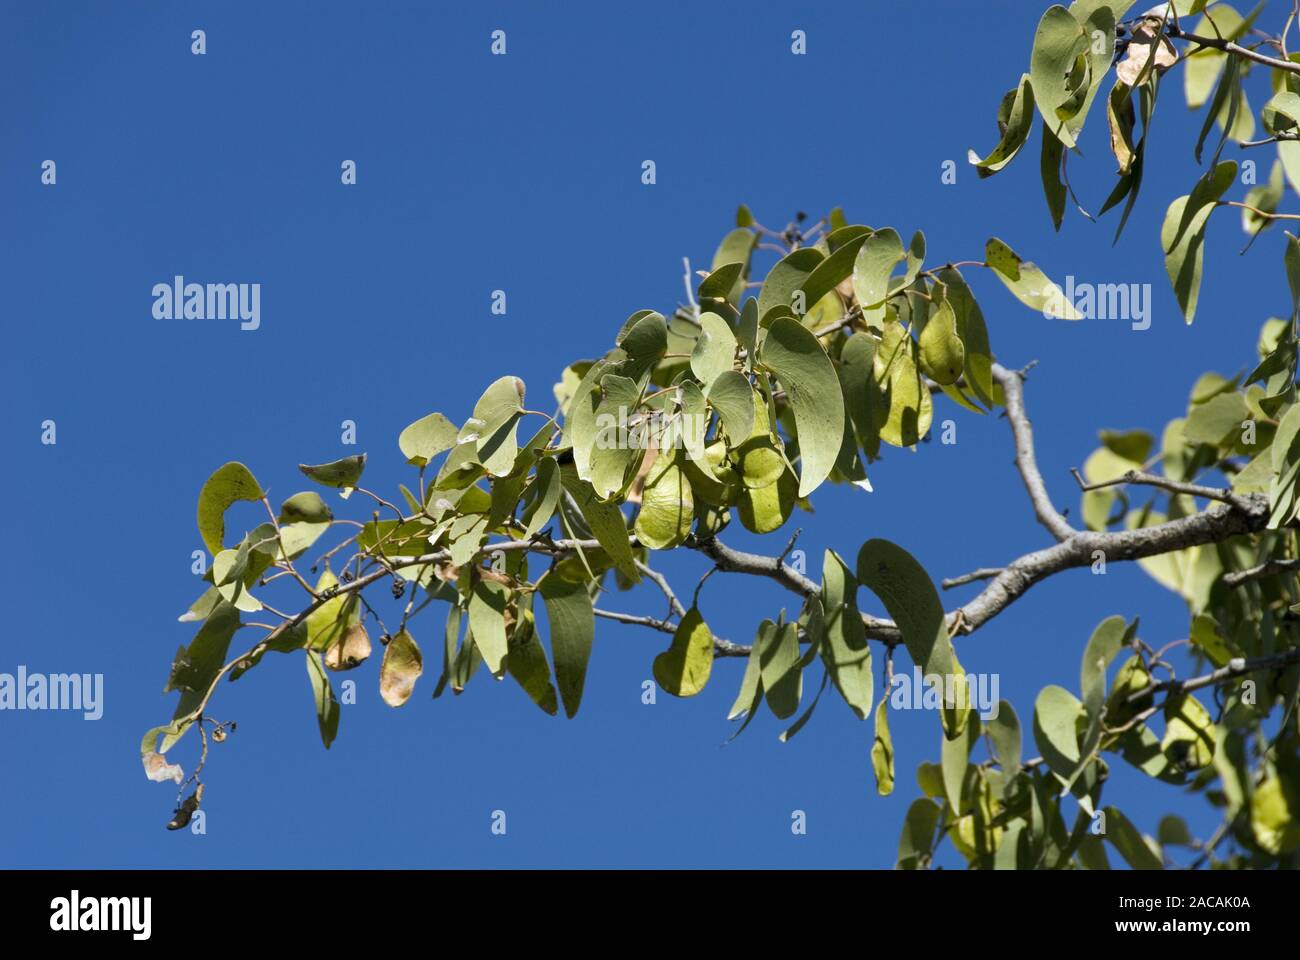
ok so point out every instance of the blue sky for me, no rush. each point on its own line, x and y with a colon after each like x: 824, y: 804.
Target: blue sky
x: 518, y: 172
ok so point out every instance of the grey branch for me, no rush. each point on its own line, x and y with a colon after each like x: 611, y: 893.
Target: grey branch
x: 1237, y: 667
x: 1023, y: 433
x: 1142, y: 478
x: 721, y: 647
x: 1263, y: 570
x: 983, y: 573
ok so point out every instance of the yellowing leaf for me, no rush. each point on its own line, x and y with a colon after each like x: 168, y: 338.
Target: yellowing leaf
x: 882, y: 751
x: 229, y: 483
x: 683, y: 669
x: 402, y: 666
x: 667, y: 505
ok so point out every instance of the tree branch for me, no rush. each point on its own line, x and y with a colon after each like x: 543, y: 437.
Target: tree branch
x: 1143, y: 478
x: 1012, y: 383
x: 721, y: 647
x: 1227, y: 46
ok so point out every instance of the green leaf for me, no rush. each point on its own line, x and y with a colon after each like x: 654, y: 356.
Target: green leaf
x: 1215, y: 420
x: 606, y: 521
x: 306, y: 507
x: 613, y: 453
x: 573, y: 626
x: 493, y: 427
x: 542, y: 497
x: 764, y: 509
x: 916, y: 843
x: 1182, y: 236
x: 731, y: 395
x: 882, y: 751
x: 327, y: 707
x: 715, y: 350
x: 403, y: 663
x: 1189, y: 733
x: 667, y: 505
x: 1004, y: 732
x: 735, y: 247
x: 1129, y: 842
x: 973, y: 333
x: 1265, y: 198
x: 1056, y: 714
x: 197, y: 665
x: 846, y: 653
x: 1049, y: 168
x: 902, y: 584
x: 872, y: 268
x: 1028, y: 283
x: 229, y: 483
x: 1275, y: 815
x: 683, y: 669
x: 801, y: 366
x: 719, y: 286
x: 1205, y: 636
x: 527, y: 663
x: 787, y: 276
x: 954, y: 760
x: 1107, y: 640
x: 339, y: 473
x: 1058, y: 42
x: 910, y: 407
x: 487, y: 608
x: 647, y: 339
x: 833, y: 271
x: 1016, y: 119
x: 326, y: 623
x: 780, y: 670
x: 943, y: 357
x: 426, y: 438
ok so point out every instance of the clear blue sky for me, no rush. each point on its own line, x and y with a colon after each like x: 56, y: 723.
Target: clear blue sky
x: 522, y: 173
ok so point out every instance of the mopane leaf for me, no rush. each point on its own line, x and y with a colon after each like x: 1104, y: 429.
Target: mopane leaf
x: 683, y: 669
x: 802, y: 368
x: 487, y: 609
x: 1129, y: 842
x: 229, y: 483
x: 780, y: 671
x: 426, y: 438
x: 339, y: 473
x: 910, y: 407
x: 715, y: 350
x: 872, y: 268
x: 573, y: 626
x: 786, y: 277
x: 527, y: 663
x: 1004, y: 732
x: 846, y: 653
x: 902, y: 584
x: 731, y: 395
x: 1028, y: 283
x: 1017, y: 119
x: 306, y: 507
x: 882, y: 751
x: 327, y: 707
x: 402, y: 666
x: 943, y: 357
x: 1182, y: 235
x: 667, y: 505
